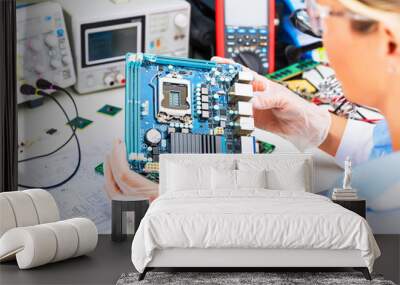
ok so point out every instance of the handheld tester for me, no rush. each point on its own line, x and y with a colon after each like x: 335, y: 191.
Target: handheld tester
x: 245, y: 32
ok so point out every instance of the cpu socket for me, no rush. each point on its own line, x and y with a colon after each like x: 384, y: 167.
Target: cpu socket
x: 174, y: 100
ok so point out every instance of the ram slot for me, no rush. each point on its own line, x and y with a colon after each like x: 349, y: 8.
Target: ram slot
x: 191, y: 63
x: 132, y: 128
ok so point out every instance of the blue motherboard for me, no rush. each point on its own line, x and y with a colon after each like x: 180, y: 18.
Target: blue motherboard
x: 177, y: 105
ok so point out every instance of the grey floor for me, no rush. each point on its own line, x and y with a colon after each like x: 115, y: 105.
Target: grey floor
x: 103, y: 266
x: 110, y: 260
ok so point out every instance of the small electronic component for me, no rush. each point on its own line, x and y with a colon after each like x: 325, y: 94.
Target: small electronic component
x: 265, y: 147
x: 109, y: 110
x: 204, y: 90
x: 153, y: 137
x: 218, y: 131
x: 156, y: 154
x: 241, y: 91
x: 205, y: 114
x: 51, y: 131
x: 99, y: 169
x: 150, y: 167
x: 145, y: 108
x: 79, y: 122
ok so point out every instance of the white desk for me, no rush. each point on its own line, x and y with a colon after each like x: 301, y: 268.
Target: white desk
x: 84, y: 195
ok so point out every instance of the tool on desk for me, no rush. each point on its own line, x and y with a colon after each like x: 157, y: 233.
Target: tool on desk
x: 103, y: 31
x: 29, y: 90
x: 109, y: 110
x: 79, y: 122
x: 249, y: 40
x: 43, y: 49
x: 51, y: 131
x: 99, y: 169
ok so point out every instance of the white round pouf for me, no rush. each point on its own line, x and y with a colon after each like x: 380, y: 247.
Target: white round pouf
x: 6, y: 215
x: 46, y: 206
x: 67, y: 240
x: 32, y: 246
x: 23, y: 208
x: 87, y: 233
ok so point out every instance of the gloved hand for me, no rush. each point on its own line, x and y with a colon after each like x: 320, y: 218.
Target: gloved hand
x: 121, y: 180
x: 280, y: 111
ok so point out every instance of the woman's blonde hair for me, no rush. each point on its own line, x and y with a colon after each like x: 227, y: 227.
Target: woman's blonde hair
x: 384, y: 5
x: 378, y: 7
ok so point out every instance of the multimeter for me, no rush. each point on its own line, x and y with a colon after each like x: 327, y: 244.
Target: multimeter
x: 245, y: 32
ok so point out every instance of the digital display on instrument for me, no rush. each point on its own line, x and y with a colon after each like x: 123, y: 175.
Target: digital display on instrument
x: 250, y: 13
x: 112, y: 43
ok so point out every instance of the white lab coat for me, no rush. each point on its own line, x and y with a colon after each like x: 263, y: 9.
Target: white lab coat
x: 357, y: 142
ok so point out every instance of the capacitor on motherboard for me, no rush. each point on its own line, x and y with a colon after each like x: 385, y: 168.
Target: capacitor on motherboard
x: 164, y: 143
x: 153, y: 137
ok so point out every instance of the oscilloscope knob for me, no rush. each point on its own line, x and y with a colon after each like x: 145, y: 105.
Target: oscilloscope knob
x: 54, y: 63
x: 39, y: 68
x: 66, y: 60
x: 35, y: 45
x: 51, y: 40
x: 181, y: 20
x: 249, y: 59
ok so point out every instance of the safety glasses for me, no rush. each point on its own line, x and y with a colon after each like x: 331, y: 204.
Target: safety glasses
x: 311, y: 20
